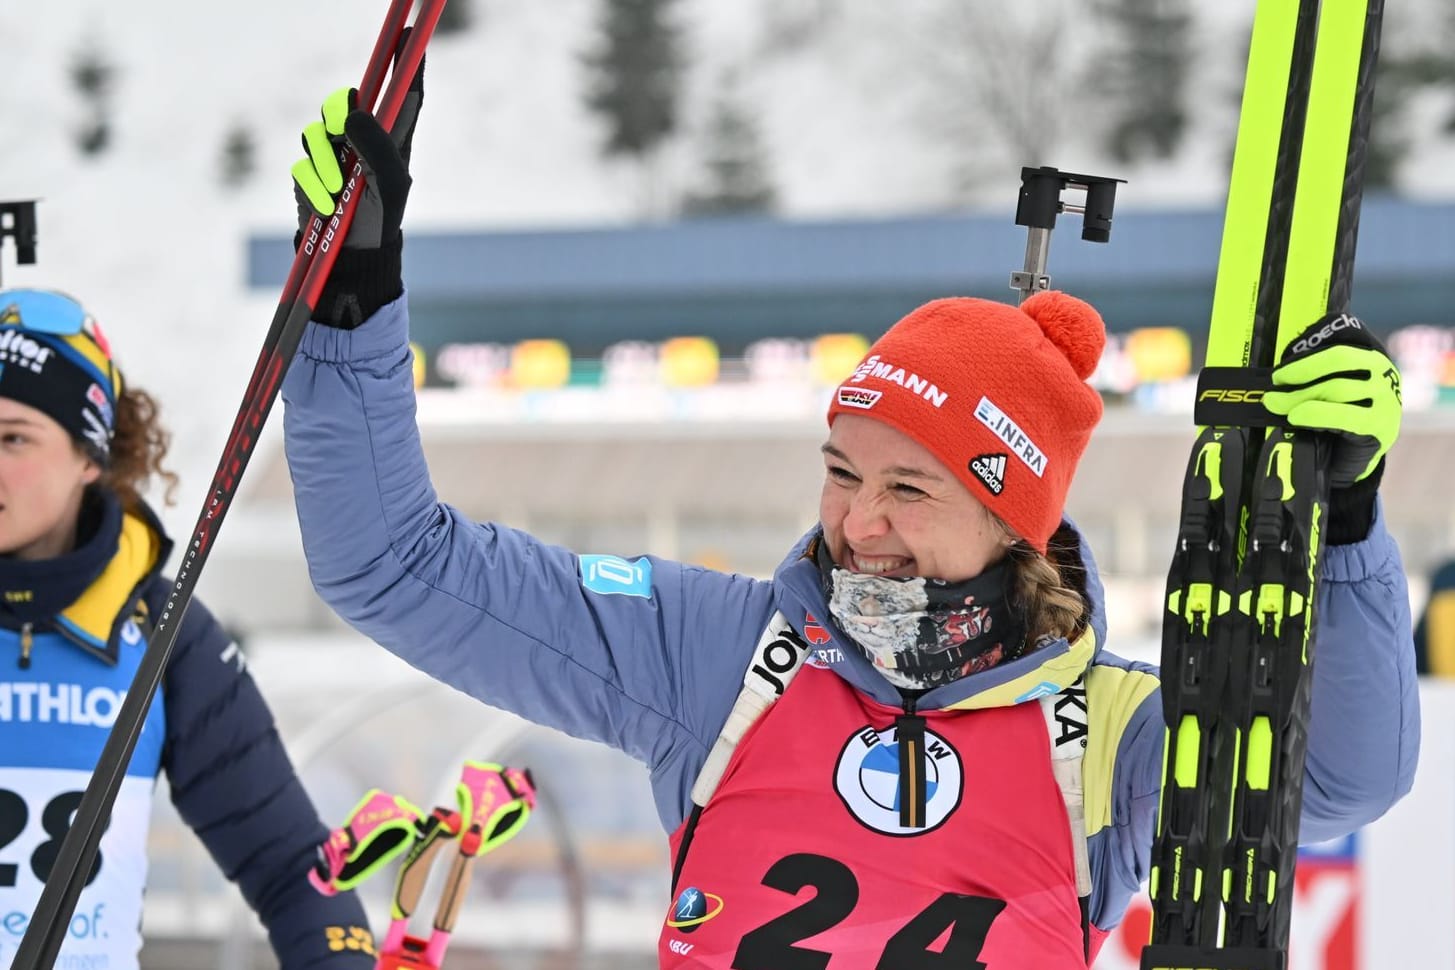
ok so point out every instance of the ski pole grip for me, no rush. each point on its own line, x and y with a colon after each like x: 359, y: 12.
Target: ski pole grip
x: 1233, y: 396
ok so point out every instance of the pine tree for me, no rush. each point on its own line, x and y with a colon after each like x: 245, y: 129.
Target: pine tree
x: 93, y: 76
x: 1389, y: 136
x: 735, y: 179
x: 239, y: 156
x: 635, y: 75
x: 1436, y: 65
x: 1414, y: 61
x: 1143, y: 71
x: 1443, y: 66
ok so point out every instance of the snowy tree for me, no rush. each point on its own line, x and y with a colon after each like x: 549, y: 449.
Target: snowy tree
x: 1389, y: 133
x: 1437, y: 64
x: 791, y: 25
x: 999, y: 86
x: 239, y: 156
x: 735, y: 176
x: 1143, y: 72
x: 635, y: 76
x: 1416, y: 62
x: 93, y: 76
x: 456, y: 18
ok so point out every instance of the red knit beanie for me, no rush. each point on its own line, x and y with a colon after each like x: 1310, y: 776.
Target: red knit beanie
x: 997, y: 393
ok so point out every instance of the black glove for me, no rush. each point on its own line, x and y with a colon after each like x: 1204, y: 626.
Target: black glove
x: 366, y: 273
x: 1337, y: 377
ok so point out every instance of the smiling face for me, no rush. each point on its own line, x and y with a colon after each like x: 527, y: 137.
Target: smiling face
x: 890, y: 508
x: 43, y: 475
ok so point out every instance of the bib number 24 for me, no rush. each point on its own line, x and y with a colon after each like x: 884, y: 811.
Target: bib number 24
x: 772, y: 945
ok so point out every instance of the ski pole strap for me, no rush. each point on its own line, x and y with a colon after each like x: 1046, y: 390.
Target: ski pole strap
x: 378, y: 829
x: 495, y: 803
x: 433, y: 832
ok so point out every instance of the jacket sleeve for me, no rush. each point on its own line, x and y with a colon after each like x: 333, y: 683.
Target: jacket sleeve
x: 645, y: 655
x: 1364, y: 727
x: 233, y: 783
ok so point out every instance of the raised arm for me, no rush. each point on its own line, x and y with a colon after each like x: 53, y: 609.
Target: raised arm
x: 643, y: 654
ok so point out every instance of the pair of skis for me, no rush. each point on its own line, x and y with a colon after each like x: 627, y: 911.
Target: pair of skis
x: 47, y: 928
x: 1236, y: 644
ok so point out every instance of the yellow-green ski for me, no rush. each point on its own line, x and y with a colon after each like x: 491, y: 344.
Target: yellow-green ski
x: 1236, y: 647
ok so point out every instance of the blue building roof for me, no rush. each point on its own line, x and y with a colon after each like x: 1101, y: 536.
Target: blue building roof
x: 741, y: 279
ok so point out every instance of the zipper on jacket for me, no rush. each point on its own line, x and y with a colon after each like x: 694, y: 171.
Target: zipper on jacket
x: 25, y: 641
x: 909, y: 732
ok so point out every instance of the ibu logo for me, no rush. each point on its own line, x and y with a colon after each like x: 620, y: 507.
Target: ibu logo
x: 693, y: 908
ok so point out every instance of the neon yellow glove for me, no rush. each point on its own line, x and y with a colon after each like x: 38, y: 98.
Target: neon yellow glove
x: 1337, y: 377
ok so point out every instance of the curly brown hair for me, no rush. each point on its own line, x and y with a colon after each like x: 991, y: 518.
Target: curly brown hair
x: 138, y: 450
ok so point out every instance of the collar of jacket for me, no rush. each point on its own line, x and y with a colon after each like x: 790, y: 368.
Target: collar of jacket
x: 1047, y: 670
x: 94, y: 619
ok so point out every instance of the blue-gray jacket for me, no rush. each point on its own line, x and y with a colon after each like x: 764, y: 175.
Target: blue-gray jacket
x: 648, y: 655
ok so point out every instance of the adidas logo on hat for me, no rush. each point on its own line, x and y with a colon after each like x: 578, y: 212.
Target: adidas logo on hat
x: 990, y: 469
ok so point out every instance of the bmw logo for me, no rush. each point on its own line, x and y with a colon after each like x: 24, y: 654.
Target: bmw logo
x: 867, y: 780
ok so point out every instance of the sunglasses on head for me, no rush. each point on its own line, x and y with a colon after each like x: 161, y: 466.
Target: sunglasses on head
x: 49, y: 312
x: 42, y: 310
